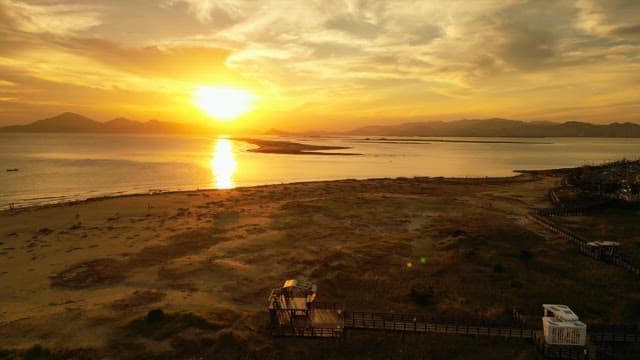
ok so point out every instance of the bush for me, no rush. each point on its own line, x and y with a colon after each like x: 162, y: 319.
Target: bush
x: 37, y: 352
x: 457, y: 233
x: 422, y: 296
x: 159, y: 325
x: 155, y: 316
x: 516, y: 284
x: 230, y: 346
x: 525, y: 255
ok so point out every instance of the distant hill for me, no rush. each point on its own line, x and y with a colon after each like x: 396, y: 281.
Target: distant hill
x: 74, y: 123
x: 66, y: 122
x: 501, y: 128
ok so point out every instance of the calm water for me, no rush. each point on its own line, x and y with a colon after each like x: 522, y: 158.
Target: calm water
x: 60, y: 167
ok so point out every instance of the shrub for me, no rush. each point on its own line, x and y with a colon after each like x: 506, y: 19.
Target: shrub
x: 516, y: 284
x: 159, y: 325
x: 457, y: 233
x: 155, y: 316
x: 525, y: 255
x: 422, y: 296
x: 36, y: 352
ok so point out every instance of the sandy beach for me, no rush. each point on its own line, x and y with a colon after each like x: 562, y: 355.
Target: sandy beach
x: 77, y: 276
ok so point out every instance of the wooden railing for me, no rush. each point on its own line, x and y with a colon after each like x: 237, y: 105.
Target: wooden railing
x: 326, y: 306
x: 614, y: 337
x: 307, y: 331
x: 614, y: 333
x: 404, y: 322
x: 621, y: 260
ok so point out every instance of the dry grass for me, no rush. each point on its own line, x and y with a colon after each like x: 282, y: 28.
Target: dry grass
x: 92, y: 273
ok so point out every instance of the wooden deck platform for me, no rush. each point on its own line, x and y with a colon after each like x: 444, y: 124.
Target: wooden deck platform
x: 318, y: 323
x: 327, y: 318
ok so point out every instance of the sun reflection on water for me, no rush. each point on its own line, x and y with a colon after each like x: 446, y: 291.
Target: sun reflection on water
x: 223, y: 164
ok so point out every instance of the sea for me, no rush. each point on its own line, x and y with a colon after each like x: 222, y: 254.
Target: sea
x: 38, y: 169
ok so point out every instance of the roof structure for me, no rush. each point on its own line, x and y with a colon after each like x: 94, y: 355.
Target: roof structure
x: 603, y: 243
x: 559, y: 312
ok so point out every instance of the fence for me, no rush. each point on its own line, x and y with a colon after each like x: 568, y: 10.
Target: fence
x: 614, y: 333
x: 407, y: 322
x: 326, y: 306
x: 622, y: 260
x: 307, y: 331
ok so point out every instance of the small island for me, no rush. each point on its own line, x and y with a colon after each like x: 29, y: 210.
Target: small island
x: 293, y: 148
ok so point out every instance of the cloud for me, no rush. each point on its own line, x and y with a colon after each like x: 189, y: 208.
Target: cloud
x: 30, y: 40
x: 211, y: 10
x: 354, y: 26
x: 22, y: 24
x: 32, y: 97
x: 332, y: 49
x: 526, y: 48
x: 607, y: 18
x: 632, y: 31
x: 52, y: 18
x: 191, y: 64
x: 425, y: 34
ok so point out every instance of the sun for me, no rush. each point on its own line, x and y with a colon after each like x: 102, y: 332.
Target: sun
x: 223, y: 103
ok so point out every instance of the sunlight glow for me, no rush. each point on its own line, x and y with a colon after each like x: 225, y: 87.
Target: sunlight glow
x: 223, y: 103
x: 223, y: 164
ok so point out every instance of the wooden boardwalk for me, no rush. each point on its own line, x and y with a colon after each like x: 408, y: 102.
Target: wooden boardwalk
x: 615, y: 337
x: 333, y: 323
x: 408, y: 323
x: 615, y: 333
x: 541, y: 218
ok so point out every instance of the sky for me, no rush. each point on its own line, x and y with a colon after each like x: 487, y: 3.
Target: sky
x: 322, y: 64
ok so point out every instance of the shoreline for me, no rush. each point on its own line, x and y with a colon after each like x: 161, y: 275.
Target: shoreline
x: 427, y: 140
x: 516, y: 173
x: 155, y: 192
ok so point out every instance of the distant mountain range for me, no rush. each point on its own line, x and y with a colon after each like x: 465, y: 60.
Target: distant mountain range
x: 502, y: 128
x: 74, y: 123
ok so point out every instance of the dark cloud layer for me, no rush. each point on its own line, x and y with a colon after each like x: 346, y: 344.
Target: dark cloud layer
x: 633, y: 30
x: 527, y: 48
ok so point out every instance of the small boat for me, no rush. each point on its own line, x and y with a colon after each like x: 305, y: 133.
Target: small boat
x: 13, y: 169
